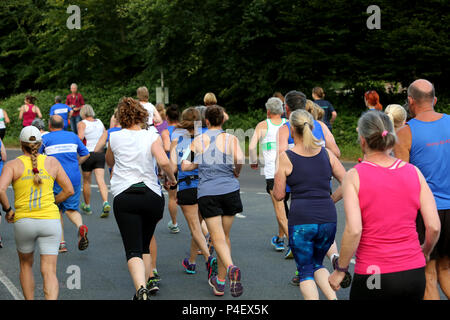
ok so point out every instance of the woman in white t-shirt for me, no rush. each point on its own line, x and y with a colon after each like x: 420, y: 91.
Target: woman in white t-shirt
x: 89, y: 131
x: 138, y: 201
x: 4, y: 120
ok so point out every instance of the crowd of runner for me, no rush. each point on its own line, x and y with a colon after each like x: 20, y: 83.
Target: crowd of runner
x: 396, y: 199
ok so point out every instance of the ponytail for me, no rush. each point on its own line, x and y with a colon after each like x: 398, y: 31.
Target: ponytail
x: 309, y: 141
x: 33, y: 150
x: 303, y: 123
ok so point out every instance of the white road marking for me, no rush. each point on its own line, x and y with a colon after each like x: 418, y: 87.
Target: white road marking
x: 10, y: 286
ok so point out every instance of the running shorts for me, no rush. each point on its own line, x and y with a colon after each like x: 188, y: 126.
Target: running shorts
x: 72, y: 203
x: 403, y: 285
x: 220, y: 205
x: 269, y: 185
x: 46, y: 233
x: 442, y: 247
x: 96, y: 160
x: 187, y: 197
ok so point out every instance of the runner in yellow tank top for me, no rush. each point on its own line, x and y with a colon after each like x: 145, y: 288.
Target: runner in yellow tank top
x: 31, y: 201
x: 36, y: 222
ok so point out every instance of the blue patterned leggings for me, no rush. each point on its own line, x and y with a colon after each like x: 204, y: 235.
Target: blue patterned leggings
x: 309, y: 244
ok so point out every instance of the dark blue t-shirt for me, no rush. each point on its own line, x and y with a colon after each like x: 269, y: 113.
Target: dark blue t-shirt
x: 62, y: 110
x: 328, y: 108
x: 65, y: 146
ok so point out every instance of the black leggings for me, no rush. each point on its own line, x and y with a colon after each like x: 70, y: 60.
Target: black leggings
x: 404, y: 285
x: 137, y: 215
x: 2, y: 133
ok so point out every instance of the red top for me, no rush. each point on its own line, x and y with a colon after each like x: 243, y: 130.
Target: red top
x: 77, y: 101
x: 389, y: 199
x: 28, y: 116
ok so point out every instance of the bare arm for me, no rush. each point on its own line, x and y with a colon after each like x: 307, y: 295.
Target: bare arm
x: 173, y: 155
x: 21, y: 112
x: 430, y: 216
x: 330, y: 143
x: 238, y: 156
x: 110, y: 161
x: 162, y: 160
x: 81, y: 129
x: 156, y: 116
x: 82, y: 159
x: 353, y: 226
x: 283, y: 137
x: 5, y: 180
x: 3, y: 152
x: 252, y: 149
x: 333, y: 117
x: 284, y: 169
x: 6, y: 117
x: 338, y: 173
x: 403, y: 146
x: 101, y: 142
x: 38, y: 112
x: 165, y: 136
x: 112, y: 122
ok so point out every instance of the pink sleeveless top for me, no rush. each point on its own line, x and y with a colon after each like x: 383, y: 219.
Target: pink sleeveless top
x: 389, y: 199
x: 28, y: 116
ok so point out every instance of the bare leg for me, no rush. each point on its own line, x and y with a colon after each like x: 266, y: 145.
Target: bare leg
x: 26, y: 274
x: 191, y: 214
x: 333, y: 250
x: 321, y: 278
x: 87, y: 187
x: 137, y: 270
x: 75, y: 218
x: 173, y: 208
x: 62, y: 226
x: 148, y: 265
x: 443, y: 271
x: 100, y: 178
x: 221, y: 243
x: 431, y: 289
x: 153, y: 252
x: 48, y: 271
x: 280, y: 215
x: 309, y: 290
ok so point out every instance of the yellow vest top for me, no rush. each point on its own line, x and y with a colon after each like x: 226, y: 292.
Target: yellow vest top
x: 31, y: 201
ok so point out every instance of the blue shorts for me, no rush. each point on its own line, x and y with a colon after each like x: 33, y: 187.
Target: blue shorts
x: 309, y: 244
x: 71, y: 203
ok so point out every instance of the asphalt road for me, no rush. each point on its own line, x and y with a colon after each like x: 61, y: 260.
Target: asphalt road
x: 103, y: 269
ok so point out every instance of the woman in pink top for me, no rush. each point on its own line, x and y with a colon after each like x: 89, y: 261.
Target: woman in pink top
x: 382, y: 196
x: 29, y: 111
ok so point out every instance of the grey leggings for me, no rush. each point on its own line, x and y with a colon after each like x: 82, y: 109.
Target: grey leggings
x: 46, y: 233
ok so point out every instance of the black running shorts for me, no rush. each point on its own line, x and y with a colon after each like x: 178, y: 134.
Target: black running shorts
x: 96, y: 160
x: 269, y: 185
x: 442, y: 247
x: 221, y: 205
x: 187, y: 197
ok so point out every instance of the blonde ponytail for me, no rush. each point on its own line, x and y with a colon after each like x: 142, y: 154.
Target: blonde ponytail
x: 303, y: 123
x: 397, y: 114
x: 33, y: 150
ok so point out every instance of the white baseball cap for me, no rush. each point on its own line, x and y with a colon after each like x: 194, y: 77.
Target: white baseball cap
x: 30, y: 134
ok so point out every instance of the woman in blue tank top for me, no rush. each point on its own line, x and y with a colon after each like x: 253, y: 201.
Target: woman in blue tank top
x: 219, y: 160
x: 186, y: 196
x: 307, y: 168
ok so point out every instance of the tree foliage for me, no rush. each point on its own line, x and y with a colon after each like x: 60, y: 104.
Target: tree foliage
x: 241, y: 50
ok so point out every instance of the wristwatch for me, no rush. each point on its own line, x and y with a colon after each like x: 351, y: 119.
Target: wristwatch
x: 336, y: 266
x: 7, y: 210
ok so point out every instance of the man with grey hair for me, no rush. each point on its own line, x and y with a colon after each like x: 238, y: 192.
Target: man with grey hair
x: 425, y: 142
x: 266, y: 134
x: 75, y: 101
x: 61, y: 109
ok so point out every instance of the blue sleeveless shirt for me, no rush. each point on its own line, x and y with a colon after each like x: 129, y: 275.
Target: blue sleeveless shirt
x: 430, y: 152
x: 215, y: 169
x: 183, y: 146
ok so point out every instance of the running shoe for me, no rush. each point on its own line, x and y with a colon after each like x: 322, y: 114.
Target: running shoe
x: 86, y: 208
x: 347, y: 281
x: 188, y: 267
x: 295, y: 281
x: 173, y: 228
x: 210, y: 244
x: 219, y: 289
x: 277, y: 243
x: 62, y: 247
x: 241, y: 216
x: 156, y: 276
x: 211, y: 267
x: 141, y: 294
x: 288, y: 254
x: 234, y: 275
x: 152, y: 285
x: 106, y: 210
x: 83, y: 243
